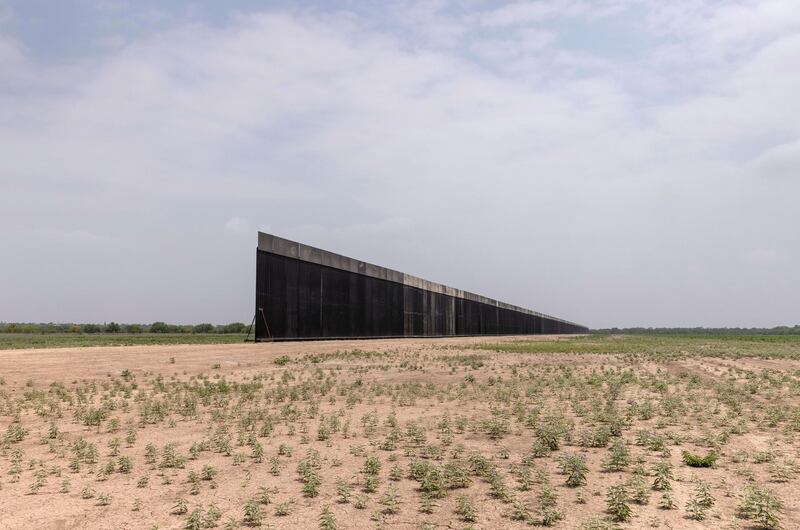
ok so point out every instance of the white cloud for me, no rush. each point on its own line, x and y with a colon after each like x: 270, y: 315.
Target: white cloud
x: 76, y: 237
x: 543, y: 11
x: 517, y: 13
x: 562, y: 171
x: 779, y: 161
x: 720, y: 29
x: 237, y: 225
x: 762, y: 256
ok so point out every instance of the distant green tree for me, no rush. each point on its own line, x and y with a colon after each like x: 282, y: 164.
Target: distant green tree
x: 203, y: 328
x: 133, y: 328
x: 113, y: 327
x: 233, y: 327
x: 159, y: 327
x: 91, y: 328
x: 779, y: 330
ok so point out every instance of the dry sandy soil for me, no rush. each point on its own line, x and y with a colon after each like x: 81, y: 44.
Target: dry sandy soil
x: 386, y: 433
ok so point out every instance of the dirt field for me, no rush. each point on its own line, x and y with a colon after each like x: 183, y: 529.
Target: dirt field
x: 420, y: 434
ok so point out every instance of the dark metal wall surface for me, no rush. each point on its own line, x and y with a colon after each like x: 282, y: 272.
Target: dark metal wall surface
x: 297, y: 299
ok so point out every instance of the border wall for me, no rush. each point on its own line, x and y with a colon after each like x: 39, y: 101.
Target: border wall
x: 304, y: 292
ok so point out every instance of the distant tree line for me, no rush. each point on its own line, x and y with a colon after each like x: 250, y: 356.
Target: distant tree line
x: 779, y: 330
x: 113, y: 327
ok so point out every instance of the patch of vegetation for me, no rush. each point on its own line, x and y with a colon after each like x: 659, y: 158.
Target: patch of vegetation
x: 428, y: 434
x: 693, y: 460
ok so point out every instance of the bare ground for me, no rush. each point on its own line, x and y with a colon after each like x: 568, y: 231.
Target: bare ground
x: 382, y: 390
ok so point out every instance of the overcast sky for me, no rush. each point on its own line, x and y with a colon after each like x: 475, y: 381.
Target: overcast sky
x: 612, y: 162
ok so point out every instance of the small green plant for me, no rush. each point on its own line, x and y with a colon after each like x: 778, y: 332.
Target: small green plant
x: 360, y: 502
x: 275, y: 466
x: 283, y: 509
x: 639, y: 492
x: 113, y: 425
x: 547, y: 512
x: 263, y: 496
x: 150, y: 454
x: 311, y: 483
x: 212, y: 516
x: 520, y: 511
x: 702, y: 492
x: 783, y: 470
x: 662, y: 470
x: 497, y: 488
x: 580, y: 497
x: 326, y: 520
x: 258, y: 453
x: 37, y: 484
x: 15, y: 433
x: 208, y: 472
x: 370, y: 484
x: 496, y: 428
x: 596, y: 523
x: 465, y: 509
x: 426, y: 503
x: 170, y: 458
x: 618, y: 457
x: 252, y: 514
x: 695, y: 510
x: 396, y: 473
x: 617, y: 503
x: 700, y: 502
x: 194, y: 480
x: 549, y: 437
x: 390, y: 500
x: 372, y: 466
x: 180, y: 507
x: 574, y: 467
x: 693, y: 460
x: 666, y: 502
x: 761, y: 506
x: 195, y: 520
x: 125, y: 464
x: 343, y: 491
x: 524, y: 478
x: 595, y: 437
